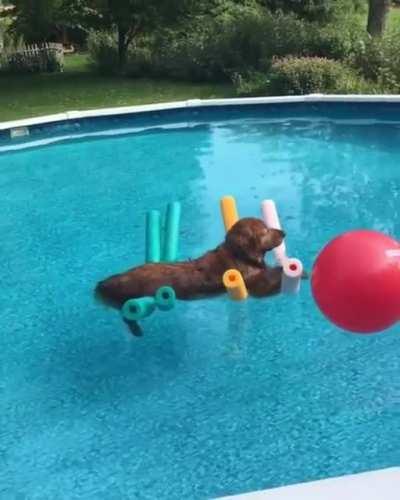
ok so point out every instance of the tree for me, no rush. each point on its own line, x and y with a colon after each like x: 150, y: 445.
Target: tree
x: 128, y: 18
x: 35, y: 21
x: 377, y: 16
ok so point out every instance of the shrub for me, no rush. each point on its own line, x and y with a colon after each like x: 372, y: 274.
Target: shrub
x: 241, y: 41
x: 288, y: 35
x: 103, y: 51
x: 378, y: 60
x: 251, y: 84
x: 321, y: 11
x: 209, y: 48
x: 333, y: 41
x: 306, y: 75
x: 139, y: 61
x: 314, y: 10
x: 185, y: 56
x: 213, y: 49
x: 234, y: 39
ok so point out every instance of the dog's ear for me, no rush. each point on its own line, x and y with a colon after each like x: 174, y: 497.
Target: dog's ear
x: 244, y: 242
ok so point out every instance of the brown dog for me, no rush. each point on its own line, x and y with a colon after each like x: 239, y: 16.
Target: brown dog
x: 244, y: 248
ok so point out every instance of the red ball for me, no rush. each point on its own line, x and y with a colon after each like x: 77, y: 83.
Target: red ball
x: 356, y: 281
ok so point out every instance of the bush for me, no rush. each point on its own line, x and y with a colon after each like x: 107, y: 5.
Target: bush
x: 333, y: 41
x: 243, y: 41
x: 307, y: 75
x: 288, y: 35
x: 103, y: 51
x: 183, y: 56
x: 251, y: 84
x: 235, y: 40
x: 313, y: 10
x: 210, y: 48
x: 378, y: 60
x: 321, y: 11
x: 140, y: 61
x: 214, y: 48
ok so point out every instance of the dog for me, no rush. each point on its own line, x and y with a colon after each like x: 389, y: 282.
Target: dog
x: 244, y: 249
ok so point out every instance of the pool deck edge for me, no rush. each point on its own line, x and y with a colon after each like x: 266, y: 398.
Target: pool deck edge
x: 192, y: 103
x: 381, y: 484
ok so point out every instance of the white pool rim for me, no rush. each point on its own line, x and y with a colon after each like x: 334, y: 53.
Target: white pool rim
x: 195, y: 103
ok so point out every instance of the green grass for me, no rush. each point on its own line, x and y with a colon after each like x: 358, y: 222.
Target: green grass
x: 394, y: 19
x: 77, y: 88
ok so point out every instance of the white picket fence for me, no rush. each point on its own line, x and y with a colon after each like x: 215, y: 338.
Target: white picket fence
x: 38, y: 58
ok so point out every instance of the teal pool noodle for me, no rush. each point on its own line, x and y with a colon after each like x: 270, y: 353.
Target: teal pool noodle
x: 165, y: 298
x: 153, y: 236
x: 171, y: 232
x: 135, y: 309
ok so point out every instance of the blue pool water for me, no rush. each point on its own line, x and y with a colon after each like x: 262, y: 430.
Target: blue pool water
x: 216, y: 398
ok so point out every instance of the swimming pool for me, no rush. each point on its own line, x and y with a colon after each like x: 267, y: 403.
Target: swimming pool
x: 216, y: 398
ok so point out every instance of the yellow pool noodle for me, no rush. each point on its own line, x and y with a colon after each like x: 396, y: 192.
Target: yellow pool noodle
x: 229, y: 211
x: 235, y: 285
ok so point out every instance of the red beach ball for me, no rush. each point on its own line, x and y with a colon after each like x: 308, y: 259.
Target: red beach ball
x: 356, y: 281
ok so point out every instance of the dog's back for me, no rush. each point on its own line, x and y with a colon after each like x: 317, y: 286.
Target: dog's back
x: 190, y: 280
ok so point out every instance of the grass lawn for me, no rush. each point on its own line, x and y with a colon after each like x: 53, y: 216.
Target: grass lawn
x: 23, y: 96
x: 394, y: 19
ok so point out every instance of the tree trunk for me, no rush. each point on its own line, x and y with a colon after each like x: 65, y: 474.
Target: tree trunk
x: 122, y: 48
x: 377, y: 16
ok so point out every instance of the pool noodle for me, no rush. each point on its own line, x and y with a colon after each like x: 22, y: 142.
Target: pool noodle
x: 153, y: 236
x: 235, y: 285
x: 165, y: 298
x: 135, y: 309
x: 229, y: 211
x: 271, y: 220
x: 171, y: 240
x: 291, y: 276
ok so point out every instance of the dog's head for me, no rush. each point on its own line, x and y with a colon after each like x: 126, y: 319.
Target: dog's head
x: 250, y: 239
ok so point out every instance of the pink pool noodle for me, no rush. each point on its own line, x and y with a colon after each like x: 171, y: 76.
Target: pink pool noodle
x: 271, y: 220
x: 292, y: 268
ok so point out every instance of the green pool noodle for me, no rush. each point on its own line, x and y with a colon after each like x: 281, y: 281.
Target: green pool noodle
x: 171, y: 232
x: 135, y: 309
x: 153, y: 236
x: 165, y: 298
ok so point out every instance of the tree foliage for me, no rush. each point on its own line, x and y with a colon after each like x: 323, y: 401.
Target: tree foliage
x: 132, y: 17
x: 37, y: 20
x: 315, y: 10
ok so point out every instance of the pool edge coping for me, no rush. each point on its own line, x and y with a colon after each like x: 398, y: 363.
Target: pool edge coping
x: 344, y: 486
x: 193, y: 103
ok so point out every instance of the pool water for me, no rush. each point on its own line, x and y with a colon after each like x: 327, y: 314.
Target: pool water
x: 217, y: 398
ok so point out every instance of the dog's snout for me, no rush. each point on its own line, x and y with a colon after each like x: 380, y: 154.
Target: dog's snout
x: 278, y: 233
